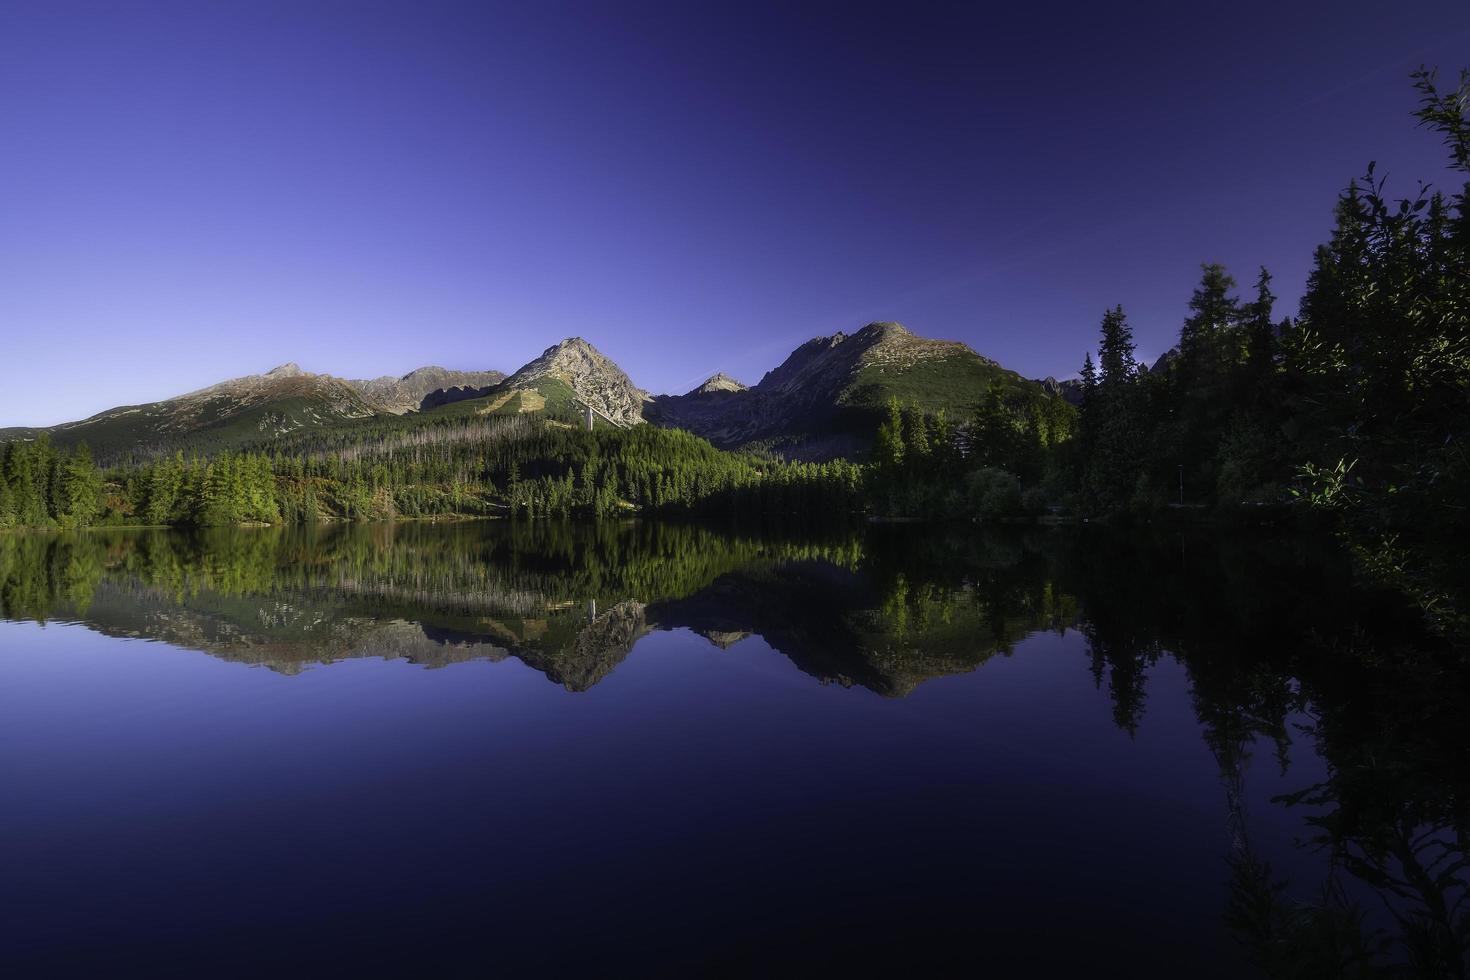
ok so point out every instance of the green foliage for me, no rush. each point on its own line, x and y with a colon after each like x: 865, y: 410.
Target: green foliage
x: 1383, y: 362
x: 443, y: 466
x: 925, y: 466
x: 994, y: 494
x: 43, y: 486
x: 954, y: 384
x: 1359, y: 410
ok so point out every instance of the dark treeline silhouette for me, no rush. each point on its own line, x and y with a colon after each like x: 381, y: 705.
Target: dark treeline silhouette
x: 1357, y: 409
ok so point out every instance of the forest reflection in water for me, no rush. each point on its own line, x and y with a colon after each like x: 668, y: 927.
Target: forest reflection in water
x: 1278, y: 643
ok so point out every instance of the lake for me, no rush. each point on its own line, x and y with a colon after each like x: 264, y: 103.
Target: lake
x: 670, y: 750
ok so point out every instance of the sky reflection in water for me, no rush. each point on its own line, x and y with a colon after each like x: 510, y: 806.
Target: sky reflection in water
x: 758, y: 755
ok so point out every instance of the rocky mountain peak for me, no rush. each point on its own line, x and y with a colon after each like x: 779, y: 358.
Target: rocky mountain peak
x: 1070, y: 390
x: 593, y: 377
x: 884, y: 330
x: 288, y: 370
x: 718, y: 383
x: 823, y: 366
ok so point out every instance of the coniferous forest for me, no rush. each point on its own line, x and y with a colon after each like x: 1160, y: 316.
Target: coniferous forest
x: 1355, y: 410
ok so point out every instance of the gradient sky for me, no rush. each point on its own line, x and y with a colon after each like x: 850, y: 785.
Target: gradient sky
x: 195, y: 191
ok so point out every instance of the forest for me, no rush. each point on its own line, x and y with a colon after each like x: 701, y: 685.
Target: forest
x: 1354, y: 412
x: 1355, y: 409
x: 488, y: 467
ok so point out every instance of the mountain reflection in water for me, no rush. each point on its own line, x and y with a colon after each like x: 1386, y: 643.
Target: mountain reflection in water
x: 1277, y: 644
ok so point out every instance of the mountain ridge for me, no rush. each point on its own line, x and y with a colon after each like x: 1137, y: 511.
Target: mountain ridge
x: 410, y: 392
x: 823, y: 400
x: 237, y: 411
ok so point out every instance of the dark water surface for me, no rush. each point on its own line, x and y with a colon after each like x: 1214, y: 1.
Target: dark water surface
x: 633, y: 750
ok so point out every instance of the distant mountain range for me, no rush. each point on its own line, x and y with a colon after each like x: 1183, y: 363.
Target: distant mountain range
x: 824, y: 400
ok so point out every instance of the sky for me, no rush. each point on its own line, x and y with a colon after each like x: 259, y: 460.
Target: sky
x: 196, y: 191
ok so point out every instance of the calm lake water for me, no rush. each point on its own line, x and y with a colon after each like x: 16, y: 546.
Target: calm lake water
x: 634, y: 750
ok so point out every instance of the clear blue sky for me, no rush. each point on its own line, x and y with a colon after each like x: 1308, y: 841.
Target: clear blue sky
x: 199, y: 190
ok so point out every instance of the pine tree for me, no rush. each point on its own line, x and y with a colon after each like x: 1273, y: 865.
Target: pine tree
x: 1116, y: 351
x: 1213, y: 315
x: 1089, y: 380
x: 1261, y: 343
x: 890, y: 449
x: 81, y: 489
x: 916, y: 434
x: 1112, y: 416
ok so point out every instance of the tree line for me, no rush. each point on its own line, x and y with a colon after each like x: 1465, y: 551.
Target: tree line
x: 458, y: 468
x: 1359, y: 408
x: 1356, y: 408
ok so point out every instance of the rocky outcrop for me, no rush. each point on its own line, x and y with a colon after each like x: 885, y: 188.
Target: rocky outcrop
x: 425, y: 387
x: 1069, y: 390
x: 593, y: 378
x: 719, y: 384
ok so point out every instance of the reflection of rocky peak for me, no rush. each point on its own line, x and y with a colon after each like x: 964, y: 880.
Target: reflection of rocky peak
x: 285, y: 634
x: 597, y: 649
x: 832, y: 625
x: 724, y: 639
x: 286, y: 599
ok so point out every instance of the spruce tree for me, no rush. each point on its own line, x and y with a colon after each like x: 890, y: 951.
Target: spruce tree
x: 1204, y: 337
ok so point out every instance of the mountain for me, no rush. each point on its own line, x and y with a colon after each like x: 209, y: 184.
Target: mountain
x: 826, y: 398
x: 222, y: 416
x: 719, y: 384
x: 1069, y: 390
x: 425, y: 387
x: 247, y: 410
x: 566, y: 377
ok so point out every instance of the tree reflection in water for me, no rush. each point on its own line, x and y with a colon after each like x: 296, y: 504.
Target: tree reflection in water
x: 1277, y: 641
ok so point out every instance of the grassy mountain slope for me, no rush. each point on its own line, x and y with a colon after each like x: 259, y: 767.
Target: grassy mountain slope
x: 564, y: 379
x: 826, y: 399
x: 224, y: 416
x: 256, y: 410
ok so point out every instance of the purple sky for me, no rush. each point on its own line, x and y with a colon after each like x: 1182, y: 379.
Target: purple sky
x: 199, y: 190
